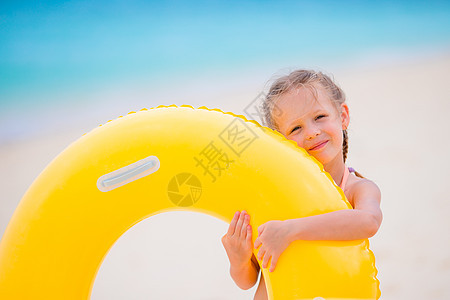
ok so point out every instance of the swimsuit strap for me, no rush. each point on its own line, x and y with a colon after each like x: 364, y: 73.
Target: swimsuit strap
x: 345, y: 177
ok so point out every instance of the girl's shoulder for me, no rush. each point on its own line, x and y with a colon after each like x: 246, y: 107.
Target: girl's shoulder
x: 357, y: 186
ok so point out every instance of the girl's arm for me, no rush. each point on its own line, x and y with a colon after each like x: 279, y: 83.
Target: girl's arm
x: 352, y: 224
x: 244, y: 268
x: 245, y: 276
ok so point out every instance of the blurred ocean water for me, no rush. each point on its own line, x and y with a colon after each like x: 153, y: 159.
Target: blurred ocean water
x: 58, y: 55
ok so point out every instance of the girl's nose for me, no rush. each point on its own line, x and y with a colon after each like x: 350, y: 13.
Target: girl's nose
x: 311, y: 132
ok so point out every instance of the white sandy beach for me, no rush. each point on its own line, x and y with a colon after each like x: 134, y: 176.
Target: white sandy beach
x: 398, y: 137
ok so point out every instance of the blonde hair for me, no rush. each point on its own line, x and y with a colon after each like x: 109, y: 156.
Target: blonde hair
x: 308, y: 79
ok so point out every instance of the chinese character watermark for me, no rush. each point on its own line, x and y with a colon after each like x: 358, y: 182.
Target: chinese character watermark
x: 255, y: 109
x: 238, y: 136
x: 213, y: 160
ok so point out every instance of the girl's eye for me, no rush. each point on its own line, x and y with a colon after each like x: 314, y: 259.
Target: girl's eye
x: 295, y: 128
x: 320, y: 117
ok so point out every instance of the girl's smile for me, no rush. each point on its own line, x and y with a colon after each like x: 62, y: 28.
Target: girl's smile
x: 318, y: 146
x: 312, y: 120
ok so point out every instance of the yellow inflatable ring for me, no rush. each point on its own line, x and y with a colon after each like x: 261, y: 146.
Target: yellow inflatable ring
x: 176, y: 158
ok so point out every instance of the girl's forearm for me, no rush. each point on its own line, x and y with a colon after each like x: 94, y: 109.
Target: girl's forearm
x: 244, y: 276
x: 341, y: 225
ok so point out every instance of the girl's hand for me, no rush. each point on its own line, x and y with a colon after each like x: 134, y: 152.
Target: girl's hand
x: 238, y: 240
x: 273, y: 237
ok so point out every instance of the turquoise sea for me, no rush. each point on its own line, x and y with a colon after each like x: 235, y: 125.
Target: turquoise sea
x: 51, y: 49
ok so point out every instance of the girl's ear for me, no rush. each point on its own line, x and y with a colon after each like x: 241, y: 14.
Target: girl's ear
x: 345, y: 116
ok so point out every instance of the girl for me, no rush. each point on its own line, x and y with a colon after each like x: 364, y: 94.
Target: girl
x: 308, y: 108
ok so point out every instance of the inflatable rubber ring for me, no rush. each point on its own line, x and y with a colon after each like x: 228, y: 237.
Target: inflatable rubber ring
x: 176, y: 158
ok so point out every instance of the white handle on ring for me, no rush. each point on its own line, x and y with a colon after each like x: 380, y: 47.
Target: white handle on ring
x: 128, y: 174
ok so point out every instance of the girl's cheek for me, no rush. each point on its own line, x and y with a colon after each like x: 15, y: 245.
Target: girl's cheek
x: 298, y: 138
x: 299, y: 141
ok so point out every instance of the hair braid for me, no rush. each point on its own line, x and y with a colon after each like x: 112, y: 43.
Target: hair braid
x: 345, y: 144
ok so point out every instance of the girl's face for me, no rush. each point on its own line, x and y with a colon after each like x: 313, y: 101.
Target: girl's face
x: 314, y: 123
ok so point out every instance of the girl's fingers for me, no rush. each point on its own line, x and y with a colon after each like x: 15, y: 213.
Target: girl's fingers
x: 244, y: 226
x: 232, y: 226
x: 249, y: 235
x: 239, y: 223
x: 260, y: 229
x: 257, y: 243
x: 265, y: 261
x: 273, y: 263
x: 261, y: 253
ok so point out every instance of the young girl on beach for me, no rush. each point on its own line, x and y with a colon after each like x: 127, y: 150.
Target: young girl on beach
x: 308, y: 108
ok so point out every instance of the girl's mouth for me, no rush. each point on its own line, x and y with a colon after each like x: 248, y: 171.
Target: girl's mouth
x: 318, y: 146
